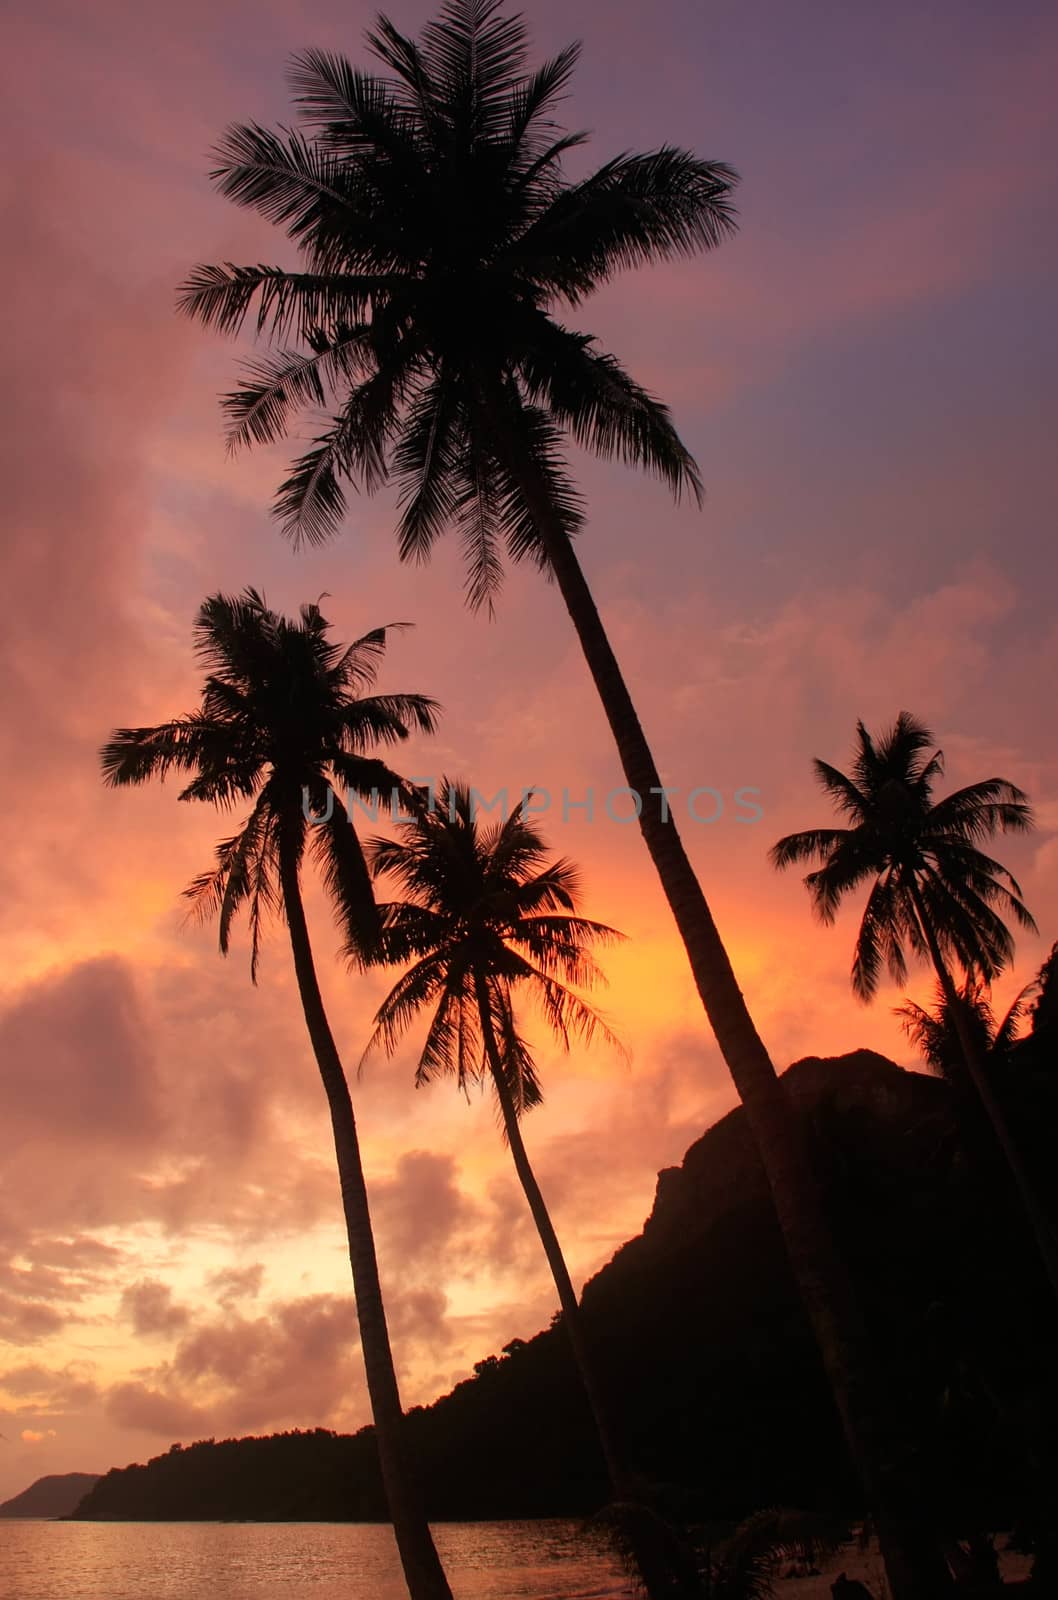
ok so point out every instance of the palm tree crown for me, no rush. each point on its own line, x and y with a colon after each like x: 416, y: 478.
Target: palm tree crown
x: 440, y: 237
x: 934, y: 1033
x: 283, y: 719
x: 921, y: 854
x: 487, y: 914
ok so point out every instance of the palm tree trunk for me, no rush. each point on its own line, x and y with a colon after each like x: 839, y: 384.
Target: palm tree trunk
x: 423, y: 1572
x: 655, y: 1575
x: 1035, y: 1211
x: 913, y: 1562
x: 567, y: 1298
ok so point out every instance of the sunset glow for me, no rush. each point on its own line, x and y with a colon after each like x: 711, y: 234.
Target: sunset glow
x: 863, y: 374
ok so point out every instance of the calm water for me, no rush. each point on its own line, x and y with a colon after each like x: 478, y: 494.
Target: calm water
x: 294, y: 1561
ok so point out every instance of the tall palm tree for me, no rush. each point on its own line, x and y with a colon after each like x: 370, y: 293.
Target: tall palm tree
x: 284, y: 718
x: 441, y: 242
x: 487, y: 918
x: 933, y: 893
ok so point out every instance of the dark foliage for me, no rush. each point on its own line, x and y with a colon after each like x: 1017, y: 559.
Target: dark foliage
x: 697, y: 1324
x: 440, y: 245
x: 919, y: 855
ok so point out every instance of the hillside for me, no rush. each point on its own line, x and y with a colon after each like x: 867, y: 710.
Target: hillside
x: 699, y: 1335
x: 57, y: 1495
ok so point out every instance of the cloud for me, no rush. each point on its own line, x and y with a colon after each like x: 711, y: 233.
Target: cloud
x: 40, y: 1296
x: 159, y: 1091
x: 137, y: 1406
x: 77, y: 1045
x: 419, y: 1210
x: 150, y: 1308
x: 232, y: 1284
x: 27, y: 1321
x: 299, y: 1359
x: 45, y: 1390
x: 87, y: 384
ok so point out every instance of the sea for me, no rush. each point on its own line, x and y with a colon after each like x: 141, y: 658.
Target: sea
x: 45, y: 1560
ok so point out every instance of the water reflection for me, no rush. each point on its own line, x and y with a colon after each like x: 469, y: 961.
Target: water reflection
x: 313, y: 1561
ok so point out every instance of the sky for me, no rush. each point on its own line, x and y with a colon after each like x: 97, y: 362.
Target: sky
x: 865, y: 374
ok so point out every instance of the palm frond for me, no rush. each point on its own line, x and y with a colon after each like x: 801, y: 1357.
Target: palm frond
x: 310, y: 502
x: 881, y: 938
x: 982, y: 810
x: 289, y: 180
x: 387, y: 719
x: 340, y: 860
x: 476, y: 59
x: 813, y: 844
x: 530, y: 135
x: 424, y: 460
x: 221, y: 297
x: 767, y: 1540
x: 934, y: 1032
x: 633, y: 211
x: 412, y: 88
x: 276, y: 385
x: 1008, y: 1031
x: 897, y: 755
x: 415, y: 990
x: 965, y: 926
x: 516, y: 1059
x: 567, y: 1014
x: 234, y: 637
x: 537, y: 443
x: 850, y: 798
x: 847, y: 866
x: 478, y: 513
x: 242, y: 877
x: 406, y: 930
x: 135, y: 755
x: 605, y: 410
x: 354, y: 113
x: 926, y: 1032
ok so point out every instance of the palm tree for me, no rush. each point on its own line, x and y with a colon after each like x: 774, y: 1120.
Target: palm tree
x: 935, y: 1035
x: 440, y: 243
x: 933, y: 892
x: 283, y: 719
x: 744, y: 1563
x: 488, y: 916
x: 1045, y: 1009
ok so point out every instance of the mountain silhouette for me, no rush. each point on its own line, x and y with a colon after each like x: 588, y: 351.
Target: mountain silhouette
x: 701, y: 1342
x: 53, y: 1496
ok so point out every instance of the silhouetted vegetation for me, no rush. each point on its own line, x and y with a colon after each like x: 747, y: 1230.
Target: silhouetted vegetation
x: 698, y: 1324
x: 932, y: 892
x: 702, y: 1561
x: 936, y: 1037
x: 283, y: 720
x: 489, y: 919
x: 442, y: 248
